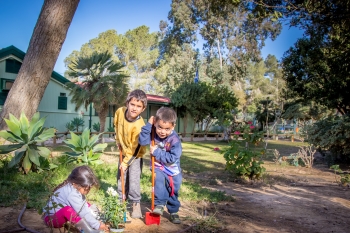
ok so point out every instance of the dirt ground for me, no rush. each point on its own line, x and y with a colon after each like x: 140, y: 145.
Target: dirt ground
x: 289, y: 199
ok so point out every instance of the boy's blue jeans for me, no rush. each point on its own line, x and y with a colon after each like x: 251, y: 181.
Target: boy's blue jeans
x: 163, y: 191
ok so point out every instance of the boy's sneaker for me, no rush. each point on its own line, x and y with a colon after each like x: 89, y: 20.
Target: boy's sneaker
x: 174, y: 218
x: 136, y: 210
x: 158, y: 210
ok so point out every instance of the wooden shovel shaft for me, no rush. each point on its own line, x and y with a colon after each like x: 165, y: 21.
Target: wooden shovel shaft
x: 122, y: 174
x: 152, y: 157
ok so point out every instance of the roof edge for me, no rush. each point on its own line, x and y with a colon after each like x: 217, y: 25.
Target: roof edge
x: 12, y: 50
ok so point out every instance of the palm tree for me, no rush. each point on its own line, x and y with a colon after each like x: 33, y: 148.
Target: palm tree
x: 103, y: 83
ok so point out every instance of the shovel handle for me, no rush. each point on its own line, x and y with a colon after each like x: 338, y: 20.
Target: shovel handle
x: 152, y: 157
x: 122, y: 174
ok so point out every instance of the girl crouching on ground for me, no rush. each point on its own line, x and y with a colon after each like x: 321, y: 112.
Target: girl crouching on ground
x: 68, y: 203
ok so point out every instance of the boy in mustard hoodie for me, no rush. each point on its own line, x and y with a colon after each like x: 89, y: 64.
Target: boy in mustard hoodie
x: 128, y: 123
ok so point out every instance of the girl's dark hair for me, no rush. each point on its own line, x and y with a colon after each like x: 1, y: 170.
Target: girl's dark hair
x: 82, y: 176
x: 139, y: 95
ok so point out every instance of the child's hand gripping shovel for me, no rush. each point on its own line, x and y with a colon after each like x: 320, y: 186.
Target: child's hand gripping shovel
x: 150, y: 217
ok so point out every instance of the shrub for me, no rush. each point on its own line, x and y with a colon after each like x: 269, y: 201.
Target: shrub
x: 96, y: 127
x: 77, y: 122
x: 243, y: 161
x: 332, y: 133
x: 113, y: 209
x: 85, y: 149
x: 25, y: 137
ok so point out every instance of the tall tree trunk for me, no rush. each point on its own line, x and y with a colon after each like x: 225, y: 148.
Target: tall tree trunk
x: 102, y: 110
x: 44, y: 47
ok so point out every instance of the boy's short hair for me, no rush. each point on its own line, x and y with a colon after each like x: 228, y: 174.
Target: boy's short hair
x: 139, y: 95
x: 166, y: 114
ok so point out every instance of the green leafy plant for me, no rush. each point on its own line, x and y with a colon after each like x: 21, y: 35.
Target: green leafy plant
x: 85, y: 149
x: 331, y: 134
x: 70, y: 126
x: 25, y: 136
x: 244, y: 161
x: 96, y: 126
x: 77, y: 122
x: 110, y: 129
x: 113, y: 209
x: 344, y: 177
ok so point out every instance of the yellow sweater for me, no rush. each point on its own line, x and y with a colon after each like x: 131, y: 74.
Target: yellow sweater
x: 127, y: 135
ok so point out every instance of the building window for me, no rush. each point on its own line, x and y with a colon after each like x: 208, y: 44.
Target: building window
x: 12, y: 66
x: 62, y: 101
x: 6, y: 84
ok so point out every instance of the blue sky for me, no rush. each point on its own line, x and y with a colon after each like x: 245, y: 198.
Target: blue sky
x: 18, y: 19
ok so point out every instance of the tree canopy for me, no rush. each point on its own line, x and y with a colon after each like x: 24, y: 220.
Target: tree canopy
x: 102, y: 83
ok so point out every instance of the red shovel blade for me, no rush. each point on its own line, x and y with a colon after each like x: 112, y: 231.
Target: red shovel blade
x: 152, y: 218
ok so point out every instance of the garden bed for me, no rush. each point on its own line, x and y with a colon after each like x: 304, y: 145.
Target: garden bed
x: 287, y: 199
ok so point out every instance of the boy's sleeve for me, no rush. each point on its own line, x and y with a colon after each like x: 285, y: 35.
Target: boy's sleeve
x: 116, y: 127
x: 145, y: 135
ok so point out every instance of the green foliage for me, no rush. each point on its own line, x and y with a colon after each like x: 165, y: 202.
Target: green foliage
x: 96, y: 127
x: 110, y: 129
x: 304, y: 110
x: 242, y: 160
x: 202, y: 101
x: 25, y: 136
x: 113, y: 209
x: 224, y: 26
x: 316, y: 67
x: 104, y: 83
x: 76, y: 123
x: 84, y: 149
x: 137, y: 48
x: 70, y: 126
x: 344, y: 177
x: 331, y: 133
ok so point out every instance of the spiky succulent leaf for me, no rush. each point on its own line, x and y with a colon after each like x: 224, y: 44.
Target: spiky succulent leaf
x: 18, y: 156
x: 99, y: 147
x: 8, y: 136
x: 43, y: 151
x: 36, y: 129
x: 75, y: 140
x: 4, y: 149
x: 94, y: 139
x: 24, y: 123
x: 13, y: 119
x: 46, y: 134
x: 35, y: 118
x: 75, y: 149
x: 33, y: 156
x: 85, y: 138
x: 73, y: 154
x: 26, y: 164
x: 14, y: 128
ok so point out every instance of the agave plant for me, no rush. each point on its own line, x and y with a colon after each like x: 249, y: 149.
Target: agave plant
x: 26, y: 137
x: 96, y: 126
x: 85, y: 149
x: 77, y: 122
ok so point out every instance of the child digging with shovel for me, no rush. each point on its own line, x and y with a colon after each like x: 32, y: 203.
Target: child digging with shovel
x: 167, y: 152
x: 128, y: 123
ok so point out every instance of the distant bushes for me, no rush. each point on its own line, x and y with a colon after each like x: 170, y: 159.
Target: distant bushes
x: 332, y: 134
